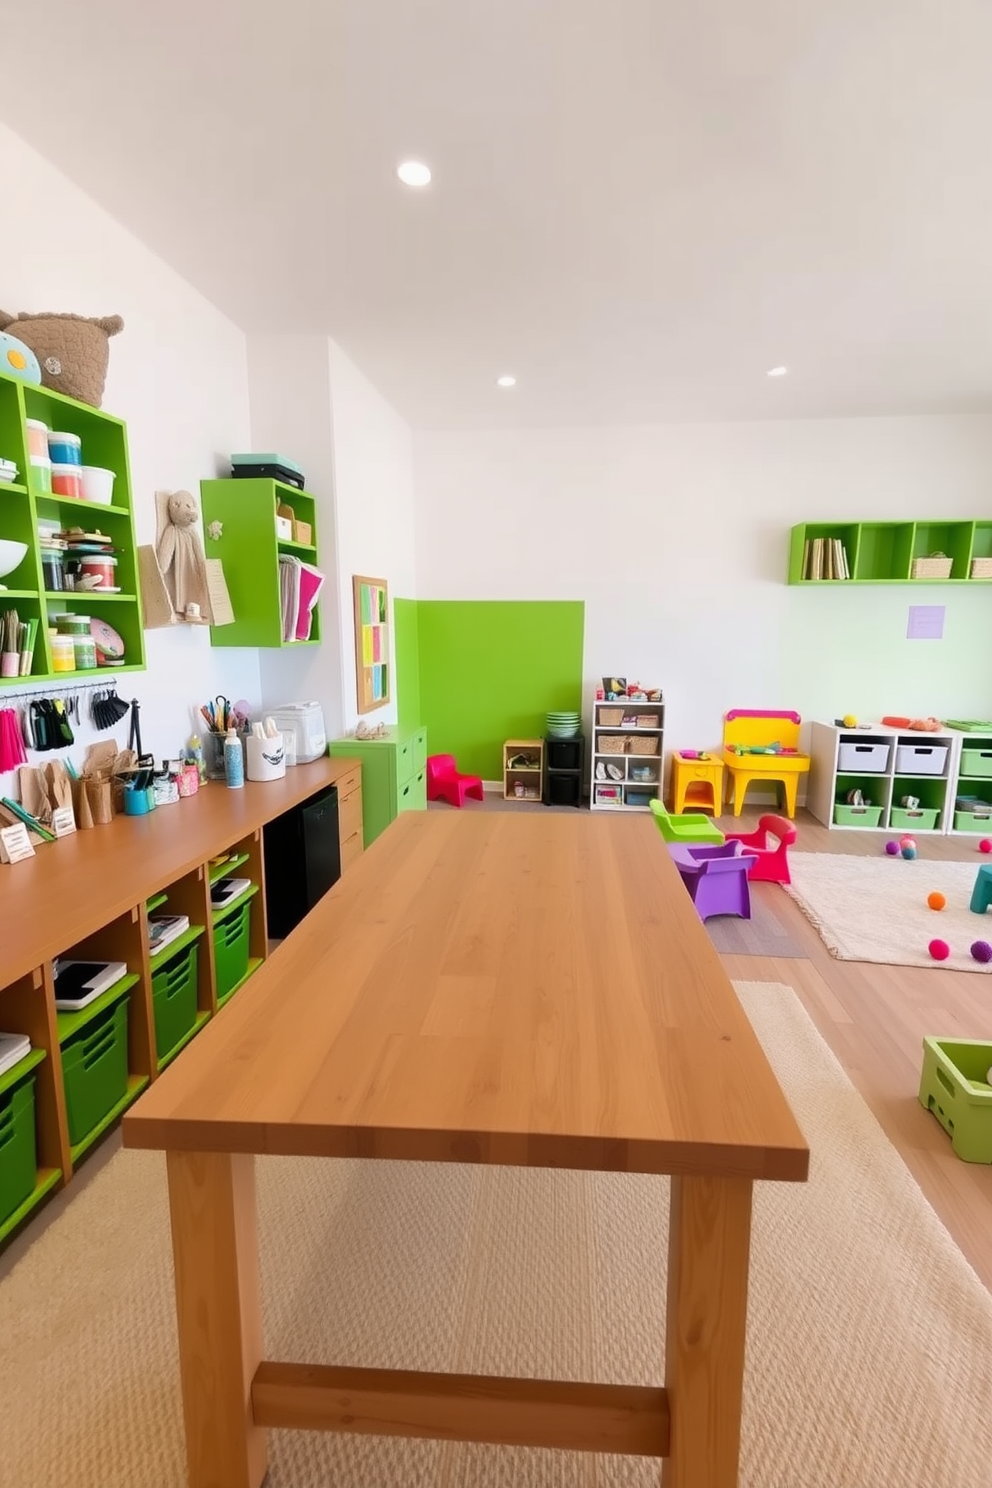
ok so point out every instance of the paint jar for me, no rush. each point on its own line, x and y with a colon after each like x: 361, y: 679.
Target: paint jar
x: 63, y: 653
x: 41, y: 474
x: 37, y: 433
x: 68, y: 624
x: 65, y: 449
x: 51, y: 569
x: 100, y: 566
x: 84, y: 649
x: 66, y: 481
x: 98, y: 484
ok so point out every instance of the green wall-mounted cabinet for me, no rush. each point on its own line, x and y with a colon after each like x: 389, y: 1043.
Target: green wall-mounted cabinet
x: 249, y: 548
x: 884, y: 552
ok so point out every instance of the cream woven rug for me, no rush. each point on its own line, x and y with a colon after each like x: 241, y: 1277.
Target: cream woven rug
x: 869, y: 1347
x: 875, y: 909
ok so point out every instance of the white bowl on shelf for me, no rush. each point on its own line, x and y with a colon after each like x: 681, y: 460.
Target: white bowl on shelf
x: 11, y: 555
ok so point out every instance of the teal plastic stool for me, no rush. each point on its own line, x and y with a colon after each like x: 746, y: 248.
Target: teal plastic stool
x: 981, y: 894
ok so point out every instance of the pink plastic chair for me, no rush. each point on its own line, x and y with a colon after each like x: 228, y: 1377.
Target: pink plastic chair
x: 769, y: 864
x: 445, y: 784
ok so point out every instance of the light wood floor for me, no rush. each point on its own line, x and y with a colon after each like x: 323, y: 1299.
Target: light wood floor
x: 875, y: 1018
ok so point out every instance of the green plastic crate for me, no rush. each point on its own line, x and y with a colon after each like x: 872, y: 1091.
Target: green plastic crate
x: 231, y: 949
x: 174, y: 1000
x: 94, y: 1070
x: 18, y: 1155
x: 973, y: 821
x: 922, y: 820
x: 857, y: 816
x: 976, y: 763
x: 953, y: 1086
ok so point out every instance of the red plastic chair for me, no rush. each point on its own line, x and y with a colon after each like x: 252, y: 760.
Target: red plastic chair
x: 445, y: 784
x: 769, y: 864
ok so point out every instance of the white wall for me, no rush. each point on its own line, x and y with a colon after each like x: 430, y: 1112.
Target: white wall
x: 373, y: 481
x: 677, y: 539
x: 178, y: 376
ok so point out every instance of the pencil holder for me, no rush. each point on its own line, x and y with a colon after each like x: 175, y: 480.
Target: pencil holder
x: 266, y: 758
x: 138, y: 802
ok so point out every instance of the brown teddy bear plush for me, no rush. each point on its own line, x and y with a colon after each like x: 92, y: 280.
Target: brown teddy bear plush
x: 73, y: 350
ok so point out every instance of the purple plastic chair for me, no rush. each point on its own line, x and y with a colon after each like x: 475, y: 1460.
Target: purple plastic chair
x: 716, y: 878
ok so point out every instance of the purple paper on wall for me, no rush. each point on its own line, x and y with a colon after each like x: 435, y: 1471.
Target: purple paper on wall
x: 926, y: 623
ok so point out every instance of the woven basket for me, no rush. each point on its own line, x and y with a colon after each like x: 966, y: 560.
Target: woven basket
x: 611, y: 744
x: 937, y: 567
x: 611, y: 716
x: 647, y: 720
x: 644, y: 746
x: 981, y: 568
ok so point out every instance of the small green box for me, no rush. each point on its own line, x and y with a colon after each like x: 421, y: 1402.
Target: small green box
x: 94, y: 1069
x: 174, y: 1000
x: 922, y: 820
x: 954, y: 1087
x: 857, y: 816
x: 231, y: 949
x: 973, y: 821
x: 18, y: 1157
x: 975, y: 764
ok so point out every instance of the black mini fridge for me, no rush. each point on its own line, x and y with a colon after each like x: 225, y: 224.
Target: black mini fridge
x: 302, y: 860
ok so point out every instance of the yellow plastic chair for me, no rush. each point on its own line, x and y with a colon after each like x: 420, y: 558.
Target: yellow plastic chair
x: 691, y: 827
x: 755, y: 731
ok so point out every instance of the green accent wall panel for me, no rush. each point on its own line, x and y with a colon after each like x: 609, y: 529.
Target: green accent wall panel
x: 489, y: 670
x: 406, y: 639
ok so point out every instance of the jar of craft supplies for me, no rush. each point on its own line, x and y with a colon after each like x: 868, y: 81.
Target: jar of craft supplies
x: 66, y: 481
x: 68, y: 624
x: 63, y: 653
x: 84, y: 652
x: 41, y: 474
x: 65, y: 449
x: 37, y: 433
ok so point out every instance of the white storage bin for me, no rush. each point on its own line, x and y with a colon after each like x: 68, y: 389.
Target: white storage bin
x: 920, y: 759
x: 871, y: 759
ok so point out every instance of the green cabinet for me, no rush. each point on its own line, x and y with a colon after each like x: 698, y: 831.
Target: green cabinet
x: 394, y: 775
x: 250, y: 546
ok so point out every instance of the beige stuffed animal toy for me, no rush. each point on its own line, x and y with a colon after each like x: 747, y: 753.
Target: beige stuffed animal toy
x: 73, y: 350
x: 180, y: 555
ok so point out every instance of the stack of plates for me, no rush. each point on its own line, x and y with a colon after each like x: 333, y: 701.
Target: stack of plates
x: 564, y: 725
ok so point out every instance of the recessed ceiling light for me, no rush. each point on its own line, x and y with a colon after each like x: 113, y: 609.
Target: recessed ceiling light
x: 413, y: 173
x: 777, y: 371
x: 506, y: 381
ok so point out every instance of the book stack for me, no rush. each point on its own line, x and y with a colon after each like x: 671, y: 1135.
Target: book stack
x: 825, y: 558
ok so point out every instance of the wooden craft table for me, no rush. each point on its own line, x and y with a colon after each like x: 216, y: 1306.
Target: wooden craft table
x: 530, y: 990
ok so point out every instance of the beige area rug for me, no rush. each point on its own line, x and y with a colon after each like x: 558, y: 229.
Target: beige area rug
x: 869, y: 1339
x: 875, y: 909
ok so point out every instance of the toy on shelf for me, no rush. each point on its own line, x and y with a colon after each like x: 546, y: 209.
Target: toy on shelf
x: 73, y: 350
x: 769, y: 846
x: 18, y: 360
x: 716, y: 878
x: 771, y: 739
x: 691, y: 827
x: 444, y: 783
x: 920, y: 725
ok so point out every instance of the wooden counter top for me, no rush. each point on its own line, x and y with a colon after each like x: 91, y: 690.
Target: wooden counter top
x: 76, y: 885
x: 532, y: 989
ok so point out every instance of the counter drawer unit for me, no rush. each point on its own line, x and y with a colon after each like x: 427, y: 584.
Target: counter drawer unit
x: 94, y: 1069
x: 18, y: 1160
x: 920, y: 759
x: 392, y: 770
x: 954, y: 1087
x: 174, y: 1000
x: 871, y: 759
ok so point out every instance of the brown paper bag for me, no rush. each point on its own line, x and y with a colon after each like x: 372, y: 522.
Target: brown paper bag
x: 58, y: 785
x: 34, y: 797
x: 81, y: 805
x: 100, y: 800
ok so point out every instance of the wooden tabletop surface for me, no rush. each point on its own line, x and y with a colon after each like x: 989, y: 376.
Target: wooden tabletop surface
x: 531, y: 989
x: 73, y: 886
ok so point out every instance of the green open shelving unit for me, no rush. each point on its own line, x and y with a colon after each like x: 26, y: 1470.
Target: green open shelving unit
x: 104, y: 442
x: 883, y: 552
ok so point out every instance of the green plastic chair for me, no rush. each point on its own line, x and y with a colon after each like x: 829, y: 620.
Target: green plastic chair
x: 691, y: 826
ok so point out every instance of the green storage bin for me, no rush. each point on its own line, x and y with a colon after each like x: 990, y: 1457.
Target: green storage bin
x: 923, y: 820
x: 973, y: 821
x: 976, y: 763
x: 174, y: 1000
x: 18, y: 1154
x: 953, y: 1086
x: 94, y: 1070
x: 231, y: 949
x: 857, y: 816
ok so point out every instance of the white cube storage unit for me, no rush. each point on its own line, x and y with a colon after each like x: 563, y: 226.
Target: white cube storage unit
x: 627, y: 756
x: 973, y: 783
x: 884, y: 779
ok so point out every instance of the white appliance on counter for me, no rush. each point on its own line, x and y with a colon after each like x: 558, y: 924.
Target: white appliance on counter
x: 302, y: 726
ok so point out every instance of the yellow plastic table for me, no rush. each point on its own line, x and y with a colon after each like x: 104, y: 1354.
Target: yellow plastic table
x: 697, y: 784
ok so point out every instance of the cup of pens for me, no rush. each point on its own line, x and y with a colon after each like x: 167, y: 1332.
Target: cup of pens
x: 266, y: 752
x: 219, y: 715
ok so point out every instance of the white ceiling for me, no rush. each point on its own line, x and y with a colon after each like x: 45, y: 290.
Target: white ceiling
x: 638, y: 206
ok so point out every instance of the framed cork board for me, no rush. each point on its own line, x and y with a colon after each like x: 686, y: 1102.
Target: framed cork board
x: 371, y: 642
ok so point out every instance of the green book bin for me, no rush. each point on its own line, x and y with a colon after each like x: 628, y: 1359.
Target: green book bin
x: 18, y: 1160
x: 954, y: 1086
x: 231, y: 949
x: 94, y: 1068
x: 174, y: 1000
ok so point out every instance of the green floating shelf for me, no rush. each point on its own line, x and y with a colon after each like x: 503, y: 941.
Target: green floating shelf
x: 190, y: 1033
x: 220, y: 914
x: 156, y: 902
x: 47, y: 1180
x: 228, y: 869
x: 165, y: 955
x: 70, y: 1023
x: 135, y: 1085
x: 13, y: 486
x: 254, y: 962
x: 884, y: 552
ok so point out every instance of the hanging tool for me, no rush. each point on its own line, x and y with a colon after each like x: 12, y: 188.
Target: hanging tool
x: 145, y: 761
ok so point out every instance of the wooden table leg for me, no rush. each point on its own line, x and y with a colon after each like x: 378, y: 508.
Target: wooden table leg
x: 708, y: 1250
x: 214, y: 1241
